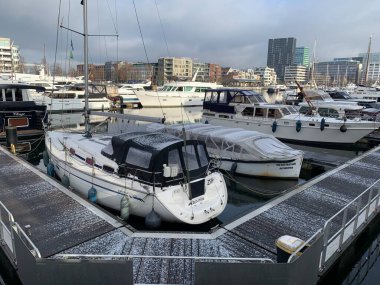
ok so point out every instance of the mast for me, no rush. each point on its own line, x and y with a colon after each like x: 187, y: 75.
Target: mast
x: 313, y: 66
x: 367, y: 60
x: 87, y: 133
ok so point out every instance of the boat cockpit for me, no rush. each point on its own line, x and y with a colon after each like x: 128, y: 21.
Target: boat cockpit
x: 158, y: 159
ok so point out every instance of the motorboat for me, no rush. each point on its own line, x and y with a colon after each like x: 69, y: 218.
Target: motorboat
x: 248, y: 110
x: 241, y: 151
x: 128, y: 97
x: 342, y: 95
x: 71, y: 98
x: 176, y: 94
x: 153, y: 175
x: 18, y: 110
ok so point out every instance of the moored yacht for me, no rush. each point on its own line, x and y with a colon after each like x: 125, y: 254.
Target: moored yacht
x: 241, y: 151
x: 248, y: 110
x: 71, y: 99
x: 151, y: 171
x: 18, y: 110
x: 176, y: 94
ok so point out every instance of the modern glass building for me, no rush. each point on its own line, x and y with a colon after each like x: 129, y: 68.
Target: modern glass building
x: 281, y: 53
x: 373, y: 67
x: 337, y: 73
x: 302, y: 56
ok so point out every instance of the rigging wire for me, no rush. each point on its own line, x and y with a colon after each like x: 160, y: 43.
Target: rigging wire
x: 55, y: 55
x: 162, y: 27
x: 146, y: 53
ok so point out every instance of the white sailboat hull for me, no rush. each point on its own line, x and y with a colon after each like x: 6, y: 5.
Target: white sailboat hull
x: 171, y: 203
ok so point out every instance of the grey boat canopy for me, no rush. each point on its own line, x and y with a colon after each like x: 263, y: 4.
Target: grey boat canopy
x: 232, y: 143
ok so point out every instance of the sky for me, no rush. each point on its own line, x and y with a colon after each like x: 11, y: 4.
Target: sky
x: 227, y: 32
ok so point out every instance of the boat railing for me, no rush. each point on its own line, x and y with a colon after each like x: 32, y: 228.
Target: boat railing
x: 7, y: 227
x: 6, y: 223
x: 341, y: 228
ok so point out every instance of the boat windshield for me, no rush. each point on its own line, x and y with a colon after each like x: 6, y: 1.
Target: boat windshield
x: 253, y: 96
x: 317, y: 95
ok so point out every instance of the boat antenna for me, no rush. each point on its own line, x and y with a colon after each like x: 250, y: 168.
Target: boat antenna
x: 87, y: 133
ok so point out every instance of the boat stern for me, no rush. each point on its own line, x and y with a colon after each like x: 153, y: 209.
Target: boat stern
x: 204, y: 200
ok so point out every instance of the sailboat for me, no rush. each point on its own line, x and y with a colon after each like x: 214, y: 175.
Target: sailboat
x: 152, y: 175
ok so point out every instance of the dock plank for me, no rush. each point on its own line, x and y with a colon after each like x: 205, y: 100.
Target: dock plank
x: 56, y: 221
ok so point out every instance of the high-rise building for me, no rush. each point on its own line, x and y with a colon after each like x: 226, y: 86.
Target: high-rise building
x: 281, y: 53
x: 302, y: 56
x: 9, y: 56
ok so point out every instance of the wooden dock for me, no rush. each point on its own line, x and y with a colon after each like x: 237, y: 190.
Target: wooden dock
x: 63, y: 226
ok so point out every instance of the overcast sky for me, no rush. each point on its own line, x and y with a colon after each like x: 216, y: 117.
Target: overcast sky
x: 228, y: 32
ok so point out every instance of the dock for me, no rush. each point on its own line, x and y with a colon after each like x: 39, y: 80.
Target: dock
x: 51, y: 235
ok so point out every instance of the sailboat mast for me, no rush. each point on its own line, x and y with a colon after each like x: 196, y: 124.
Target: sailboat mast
x: 85, y: 46
x: 367, y: 61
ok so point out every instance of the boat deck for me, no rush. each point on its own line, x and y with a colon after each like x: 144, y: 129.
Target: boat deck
x: 59, y: 222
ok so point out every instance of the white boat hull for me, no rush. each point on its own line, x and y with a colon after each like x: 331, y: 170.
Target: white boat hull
x: 287, y: 169
x: 310, y: 132
x: 152, y: 99
x: 171, y: 203
x: 68, y: 105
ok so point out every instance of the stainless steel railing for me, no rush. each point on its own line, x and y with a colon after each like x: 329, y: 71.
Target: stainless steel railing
x: 348, y: 220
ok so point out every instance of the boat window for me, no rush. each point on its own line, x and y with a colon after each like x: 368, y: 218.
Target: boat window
x: 138, y: 157
x: 190, y: 157
x: 180, y: 89
x: 305, y: 110
x: 259, y: 112
x: 202, y: 155
x: 271, y: 113
x: 200, y: 89
x: 290, y: 109
x: 108, y: 168
x: 285, y: 111
x: 238, y: 99
x: 188, y: 88
x: 18, y: 94
x: 8, y: 95
x: 223, y: 97
x: 327, y: 112
x: 173, y: 159
x: 247, y: 111
x: 211, y: 96
x: 63, y: 95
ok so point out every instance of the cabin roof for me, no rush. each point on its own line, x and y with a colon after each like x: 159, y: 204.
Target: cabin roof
x: 21, y: 86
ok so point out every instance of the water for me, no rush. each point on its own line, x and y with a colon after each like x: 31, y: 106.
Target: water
x: 245, y: 193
